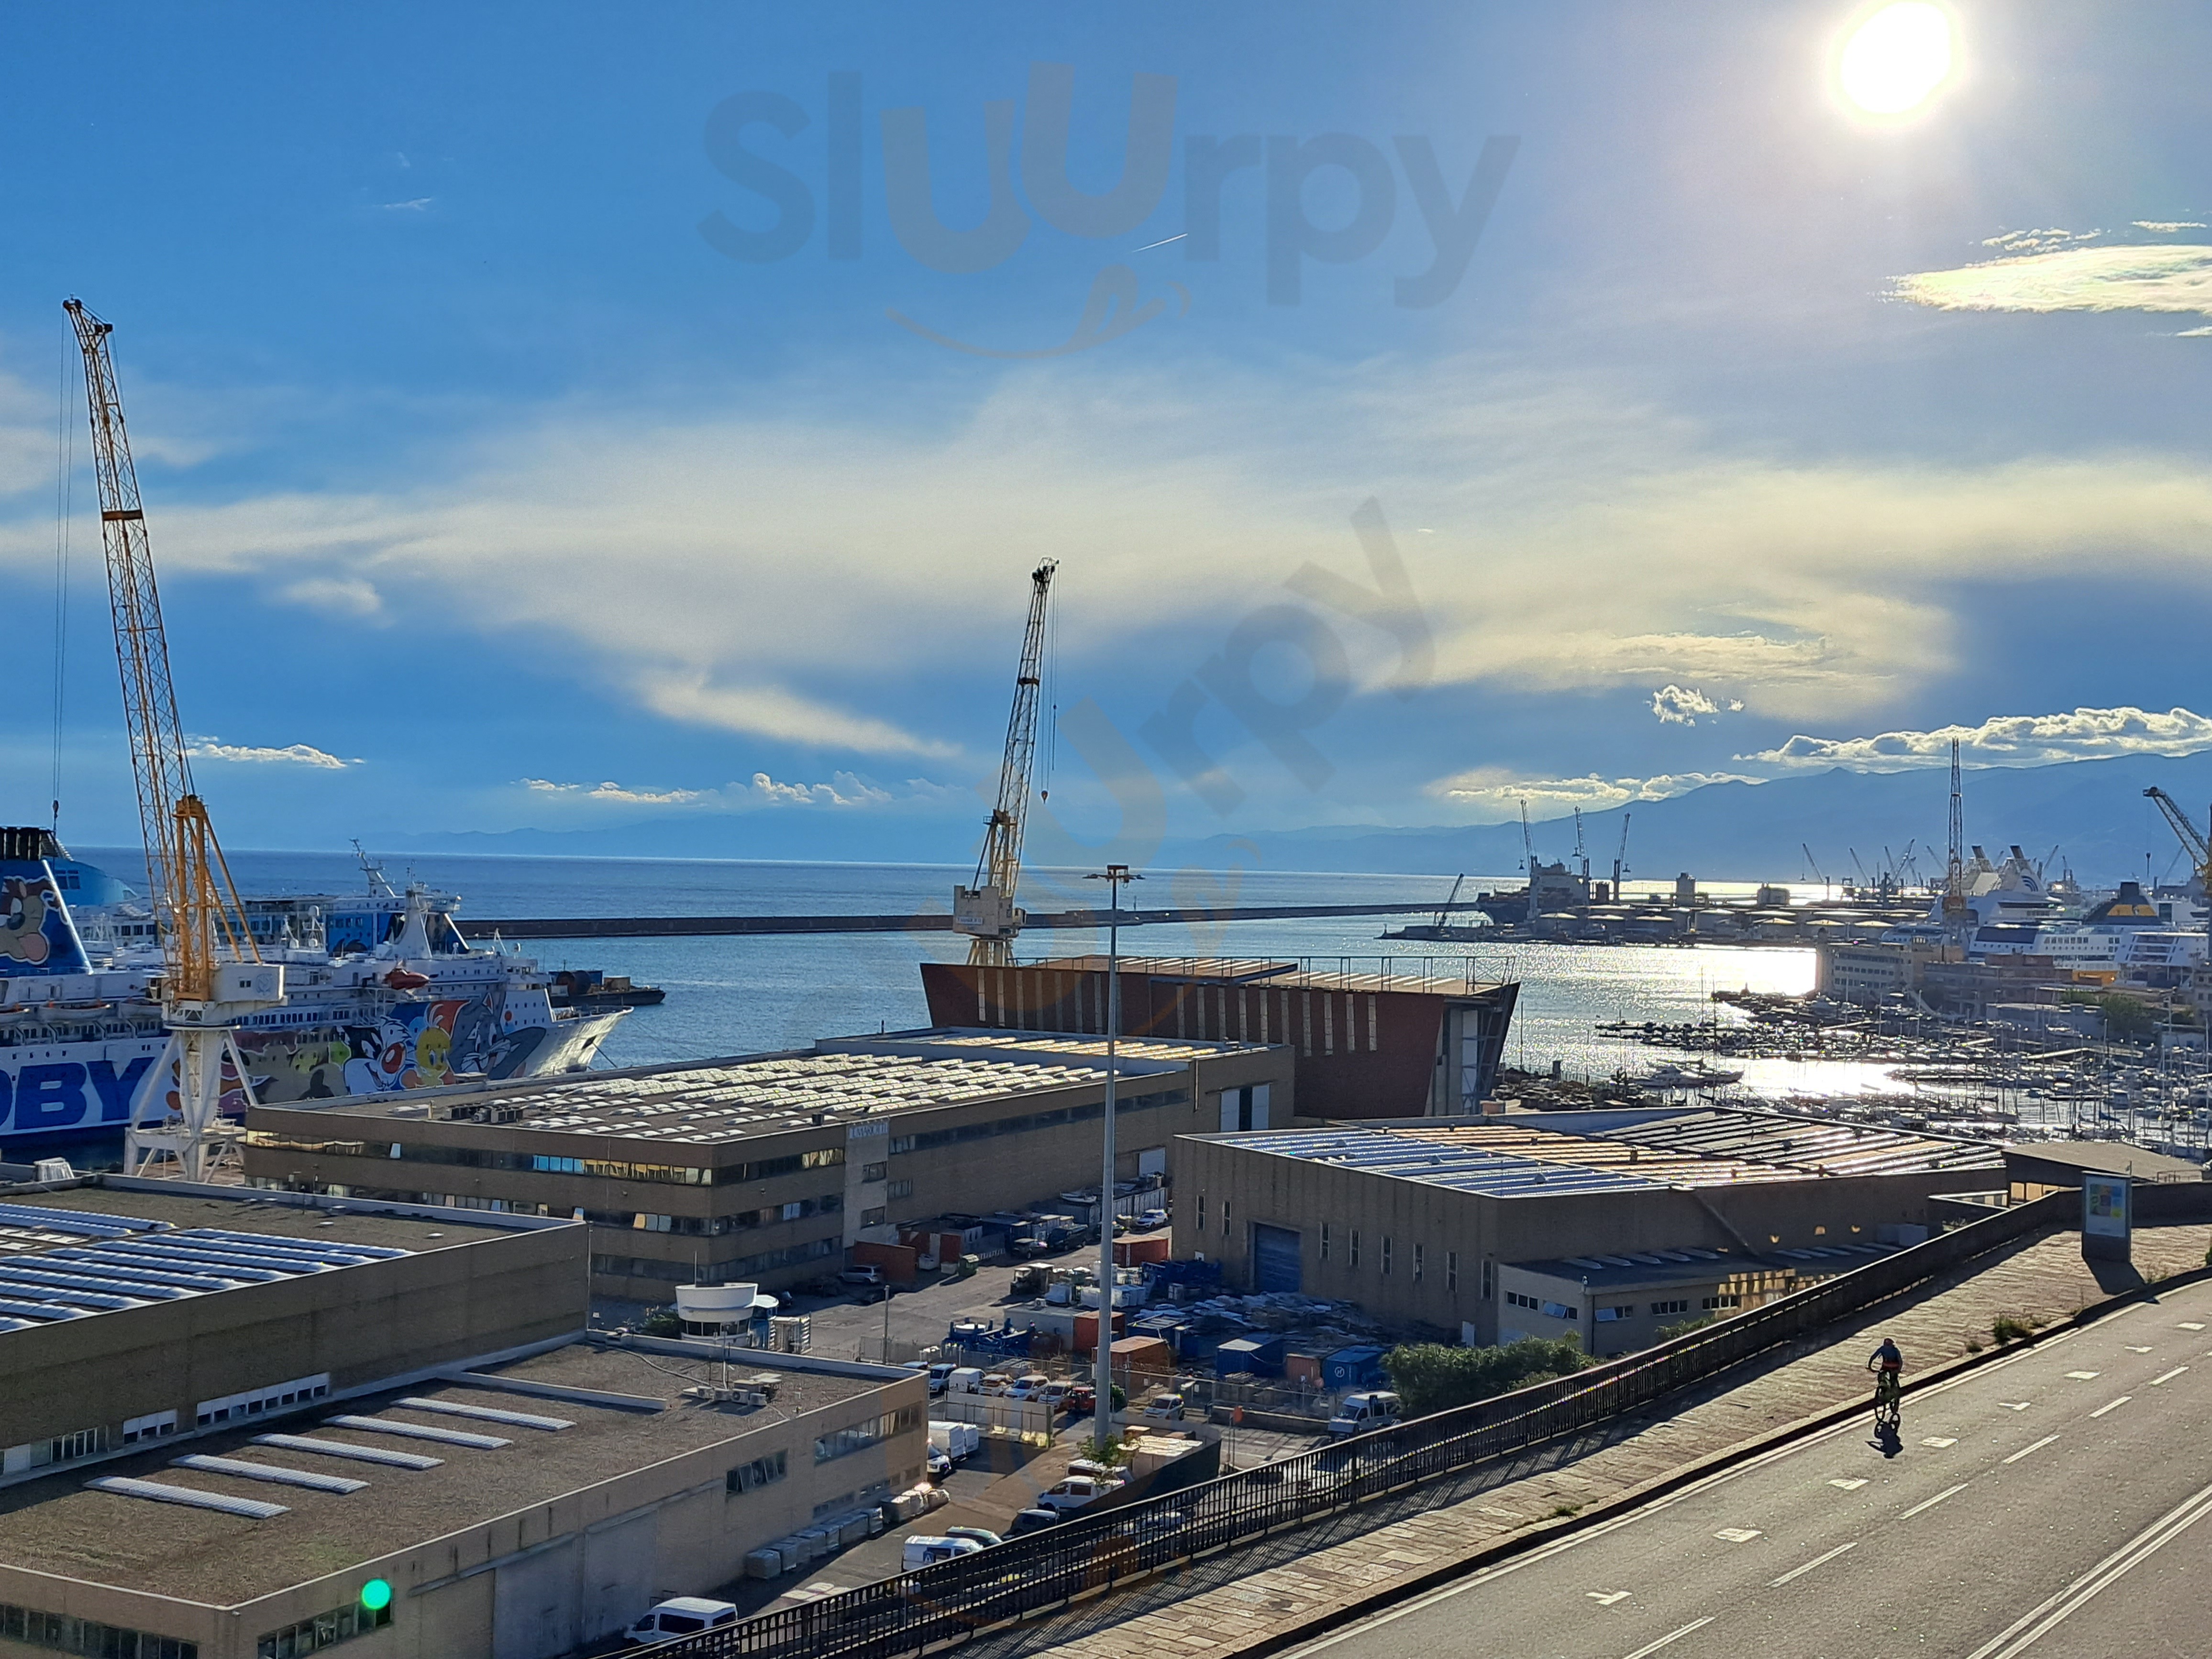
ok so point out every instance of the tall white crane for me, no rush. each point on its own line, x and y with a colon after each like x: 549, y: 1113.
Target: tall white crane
x: 986, y: 912
x: 212, y: 973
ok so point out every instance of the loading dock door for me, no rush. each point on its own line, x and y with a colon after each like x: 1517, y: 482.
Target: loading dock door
x: 1276, y: 1253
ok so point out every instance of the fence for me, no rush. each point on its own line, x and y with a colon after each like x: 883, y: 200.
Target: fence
x: 954, y: 1599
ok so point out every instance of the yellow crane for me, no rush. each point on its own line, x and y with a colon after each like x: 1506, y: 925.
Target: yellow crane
x: 212, y: 973
x: 987, y: 912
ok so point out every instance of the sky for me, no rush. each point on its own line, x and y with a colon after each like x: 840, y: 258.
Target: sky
x: 556, y: 419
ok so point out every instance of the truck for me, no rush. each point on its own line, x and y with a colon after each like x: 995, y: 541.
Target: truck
x: 956, y: 1440
x: 1358, y: 1412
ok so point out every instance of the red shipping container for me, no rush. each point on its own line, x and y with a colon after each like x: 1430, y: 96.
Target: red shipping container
x: 1134, y: 1252
x: 1086, y: 1330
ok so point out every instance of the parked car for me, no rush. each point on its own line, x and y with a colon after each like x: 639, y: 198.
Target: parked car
x: 680, y: 1615
x: 861, y: 1276
x: 1030, y: 1387
x: 925, y: 1551
x: 982, y: 1536
x: 1152, y: 1523
x: 1035, y: 1520
x: 1152, y: 1220
x: 1029, y: 1281
x: 939, y: 1462
x: 940, y: 1376
x: 1358, y: 1412
x: 1080, y: 1400
x: 1164, y: 1408
x: 1077, y: 1492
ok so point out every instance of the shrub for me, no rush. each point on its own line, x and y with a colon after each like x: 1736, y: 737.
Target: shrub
x: 1683, y: 1328
x: 1433, y: 1376
x: 661, y: 1321
x: 2006, y: 1329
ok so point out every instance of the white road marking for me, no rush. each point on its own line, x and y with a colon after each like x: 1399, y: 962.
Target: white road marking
x: 1650, y: 1648
x: 1848, y: 1486
x: 2131, y: 1348
x: 2081, y: 1377
x: 2024, y: 1450
x: 2191, y: 1325
x: 1736, y: 1535
x: 2114, y: 1407
x: 1777, y: 1583
x: 2014, y: 1405
x: 1930, y: 1504
x: 1607, y: 1598
x: 2169, y: 1377
x: 1940, y: 1441
x: 2023, y: 1633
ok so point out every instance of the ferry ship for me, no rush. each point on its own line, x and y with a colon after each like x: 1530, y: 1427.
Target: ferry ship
x: 382, y: 994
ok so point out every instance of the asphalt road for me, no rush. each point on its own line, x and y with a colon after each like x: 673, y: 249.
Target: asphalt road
x: 2047, y: 1502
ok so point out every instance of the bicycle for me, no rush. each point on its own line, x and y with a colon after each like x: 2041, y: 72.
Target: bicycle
x: 1888, y: 1400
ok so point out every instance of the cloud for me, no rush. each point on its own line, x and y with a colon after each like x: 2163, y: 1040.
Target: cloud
x: 842, y: 790
x: 773, y: 712
x: 340, y: 596
x: 1680, y: 705
x: 1498, y: 793
x: 615, y: 792
x: 2167, y: 226
x: 2162, y: 277
x: 421, y: 203
x: 2007, y: 740
x: 295, y: 754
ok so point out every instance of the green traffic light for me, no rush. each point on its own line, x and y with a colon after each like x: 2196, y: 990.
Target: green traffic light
x: 376, y: 1595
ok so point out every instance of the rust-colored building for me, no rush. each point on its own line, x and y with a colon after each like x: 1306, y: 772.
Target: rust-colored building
x: 1367, y: 1045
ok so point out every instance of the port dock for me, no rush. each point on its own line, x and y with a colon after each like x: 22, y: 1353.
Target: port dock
x: 484, y: 927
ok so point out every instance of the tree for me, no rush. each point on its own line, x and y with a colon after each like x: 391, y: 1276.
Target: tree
x: 1433, y: 1376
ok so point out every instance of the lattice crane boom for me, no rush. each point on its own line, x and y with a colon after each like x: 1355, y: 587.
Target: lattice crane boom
x: 212, y: 971
x: 2192, y: 839
x: 986, y: 912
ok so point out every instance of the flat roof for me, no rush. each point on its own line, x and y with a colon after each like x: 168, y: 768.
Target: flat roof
x: 90, y: 1251
x: 2108, y: 1158
x: 59, y: 1525
x: 1697, y: 1265
x: 1514, y: 1157
x: 1277, y: 973
x: 718, y: 1102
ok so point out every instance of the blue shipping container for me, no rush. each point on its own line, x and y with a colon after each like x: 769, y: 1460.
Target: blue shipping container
x: 1353, y: 1368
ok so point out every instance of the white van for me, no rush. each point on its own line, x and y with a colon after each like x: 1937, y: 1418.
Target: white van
x: 1077, y: 1492
x: 681, y: 1615
x: 926, y: 1552
x: 1361, y: 1411
x: 964, y: 1379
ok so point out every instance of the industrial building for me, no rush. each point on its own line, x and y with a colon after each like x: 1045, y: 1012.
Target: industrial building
x: 1385, y: 1045
x: 474, y: 1491
x: 1417, y: 1221
x: 769, y: 1167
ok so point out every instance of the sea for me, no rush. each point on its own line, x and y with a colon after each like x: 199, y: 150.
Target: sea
x: 750, y: 994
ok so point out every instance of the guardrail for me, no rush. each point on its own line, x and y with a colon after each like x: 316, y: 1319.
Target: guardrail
x: 954, y: 1599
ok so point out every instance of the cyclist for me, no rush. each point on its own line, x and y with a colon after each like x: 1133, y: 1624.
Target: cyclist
x: 1888, y: 1363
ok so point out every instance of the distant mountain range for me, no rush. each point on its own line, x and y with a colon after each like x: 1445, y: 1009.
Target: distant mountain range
x: 2091, y: 812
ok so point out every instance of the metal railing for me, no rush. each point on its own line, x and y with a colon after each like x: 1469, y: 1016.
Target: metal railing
x: 954, y: 1599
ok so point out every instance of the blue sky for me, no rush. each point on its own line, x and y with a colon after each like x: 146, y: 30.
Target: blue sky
x: 490, y: 491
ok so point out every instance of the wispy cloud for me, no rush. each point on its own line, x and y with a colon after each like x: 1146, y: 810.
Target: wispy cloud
x: 2161, y: 276
x: 1680, y: 705
x: 341, y: 596
x: 294, y: 754
x: 617, y: 792
x: 2007, y: 740
x: 771, y: 711
x: 843, y: 789
x: 1497, y: 794
x: 421, y: 203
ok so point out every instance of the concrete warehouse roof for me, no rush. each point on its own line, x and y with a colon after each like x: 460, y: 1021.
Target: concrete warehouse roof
x: 717, y: 1102
x: 1693, y: 1267
x: 1618, y: 1151
x: 61, y: 1526
x: 85, y: 1252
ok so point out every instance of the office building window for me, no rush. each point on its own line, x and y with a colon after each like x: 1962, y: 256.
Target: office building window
x: 1664, y: 1308
x: 899, y: 1189
x: 875, y: 1172
x: 1451, y: 1270
x: 1386, y: 1255
x: 761, y: 1471
x: 1351, y: 1246
x: 872, y: 1217
x: 1420, y: 1262
x: 1324, y: 1241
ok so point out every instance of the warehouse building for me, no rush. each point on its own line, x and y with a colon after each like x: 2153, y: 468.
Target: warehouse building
x: 1417, y: 1221
x: 1367, y: 1045
x: 769, y: 1167
x: 516, y: 1501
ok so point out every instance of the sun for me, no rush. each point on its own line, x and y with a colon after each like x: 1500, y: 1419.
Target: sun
x: 1896, y: 59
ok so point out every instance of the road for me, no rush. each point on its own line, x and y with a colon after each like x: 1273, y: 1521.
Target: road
x: 2043, y: 1503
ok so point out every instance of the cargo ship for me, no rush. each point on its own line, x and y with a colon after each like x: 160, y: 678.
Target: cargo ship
x: 382, y: 994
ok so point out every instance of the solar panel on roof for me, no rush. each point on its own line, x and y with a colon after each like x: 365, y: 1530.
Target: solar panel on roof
x: 418, y: 1432
x: 30, y: 1289
x: 88, y: 1255
x: 39, y: 1312
x: 489, y: 1413
x: 309, y: 1246
x: 83, y: 1222
x: 301, y: 1442
x: 252, y: 1509
x: 184, y: 1256
x: 269, y: 1472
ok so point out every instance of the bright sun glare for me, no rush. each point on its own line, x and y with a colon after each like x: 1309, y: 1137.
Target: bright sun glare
x: 1897, y: 57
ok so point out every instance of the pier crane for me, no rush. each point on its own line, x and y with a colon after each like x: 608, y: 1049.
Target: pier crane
x: 212, y: 975
x: 2192, y: 839
x: 1957, y: 914
x: 987, y: 912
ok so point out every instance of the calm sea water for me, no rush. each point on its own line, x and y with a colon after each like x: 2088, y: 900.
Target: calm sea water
x: 744, y: 995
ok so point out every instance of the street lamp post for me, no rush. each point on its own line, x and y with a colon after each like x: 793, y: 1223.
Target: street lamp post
x: 1115, y: 876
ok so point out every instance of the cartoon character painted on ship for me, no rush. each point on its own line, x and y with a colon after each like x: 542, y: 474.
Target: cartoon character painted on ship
x: 24, y: 906
x: 290, y: 1065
